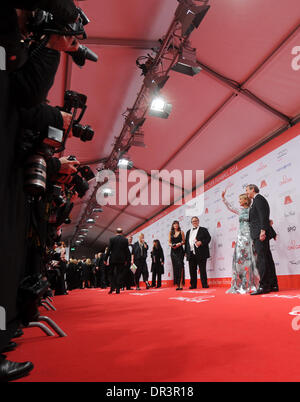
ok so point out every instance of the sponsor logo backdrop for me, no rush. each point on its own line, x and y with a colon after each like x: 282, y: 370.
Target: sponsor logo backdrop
x: 277, y: 175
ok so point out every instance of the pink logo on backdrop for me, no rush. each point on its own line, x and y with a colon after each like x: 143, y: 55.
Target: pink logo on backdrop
x: 288, y: 200
x: 285, y: 180
x: 263, y: 184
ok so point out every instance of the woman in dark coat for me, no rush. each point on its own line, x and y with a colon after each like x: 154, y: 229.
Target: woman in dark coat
x: 176, y: 242
x: 157, y: 268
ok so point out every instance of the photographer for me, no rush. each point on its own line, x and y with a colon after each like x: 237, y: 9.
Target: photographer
x: 26, y: 87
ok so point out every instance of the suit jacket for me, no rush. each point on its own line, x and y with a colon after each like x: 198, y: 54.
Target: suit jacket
x: 118, y: 250
x: 140, y: 255
x: 259, y: 217
x: 202, y: 251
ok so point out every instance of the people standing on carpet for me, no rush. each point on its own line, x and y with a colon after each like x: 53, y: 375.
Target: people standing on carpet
x: 245, y: 276
x: 157, y: 267
x: 261, y: 232
x: 139, y: 257
x: 176, y: 242
x: 131, y: 279
x: 118, y: 253
x: 197, y: 252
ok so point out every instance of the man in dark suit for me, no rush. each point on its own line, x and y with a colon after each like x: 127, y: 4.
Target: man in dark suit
x: 118, y: 254
x: 197, y: 252
x: 261, y: 232
x: 139, y: 256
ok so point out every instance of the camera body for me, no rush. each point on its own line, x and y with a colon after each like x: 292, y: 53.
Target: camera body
x: 36, y: 164
x: 43, y: 23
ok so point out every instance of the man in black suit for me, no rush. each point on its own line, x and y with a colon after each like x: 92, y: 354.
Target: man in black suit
x: 139, y: 256
x: 261, y: 232
x: 118, y: 254
x: 197, y: 252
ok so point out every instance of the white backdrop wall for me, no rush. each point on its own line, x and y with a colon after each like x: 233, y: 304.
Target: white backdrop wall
x: 277, y: 174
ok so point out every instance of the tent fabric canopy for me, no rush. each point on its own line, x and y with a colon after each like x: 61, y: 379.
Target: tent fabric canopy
x: 247, y: 90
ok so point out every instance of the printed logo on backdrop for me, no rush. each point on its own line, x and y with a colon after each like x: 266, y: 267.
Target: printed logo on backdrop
x: 283, y: 167
x: 261, y: 166
x: 285, y: 180
x: 263, y: 184
x: 282, y: 154
x: 296, y: 59
x: 293, y: 245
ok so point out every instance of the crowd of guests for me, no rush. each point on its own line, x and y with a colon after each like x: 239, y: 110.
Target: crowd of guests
x: 253, y: 270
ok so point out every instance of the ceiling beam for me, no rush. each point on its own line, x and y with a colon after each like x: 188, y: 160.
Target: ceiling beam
x: 143, y: 44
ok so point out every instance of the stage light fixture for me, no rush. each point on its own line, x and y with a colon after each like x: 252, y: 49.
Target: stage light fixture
x: 90, y: 220
x: 190, y: 15
x: 135, y: 124
x: 160, y: 108
x: 138, y: 140
x: 187, y: 62
x: 125, y: 163
x: 155, y: 82
x: 106, y: 191
x: 97, y: 210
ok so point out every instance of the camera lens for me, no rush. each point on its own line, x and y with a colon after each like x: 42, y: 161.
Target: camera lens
x: 35, y: 175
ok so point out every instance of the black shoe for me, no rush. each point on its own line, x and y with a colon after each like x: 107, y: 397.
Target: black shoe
x: 138, y: 288
x: 118, y: 291
x: 274, y: 289
x: 260, y: 291
x: 110, y: 292
x: 9, y: 347
x: 205, y: 287
x: 192, y: 287
x: 147, y: 286
x: 18, y: 333
x: 11, y: 370
x: 179, y: 289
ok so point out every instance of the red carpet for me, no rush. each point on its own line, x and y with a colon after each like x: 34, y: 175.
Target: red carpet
x: 150, y: 336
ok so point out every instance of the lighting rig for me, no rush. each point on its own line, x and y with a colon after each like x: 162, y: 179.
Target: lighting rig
x: 175, y: 53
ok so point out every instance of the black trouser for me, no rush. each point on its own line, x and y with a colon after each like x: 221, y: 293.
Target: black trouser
x: 117, y: 273
x: 142, y: 269
x: 128, y: 279
x: 265, y: 264
x: 194, y: 262
x: 156, y: 273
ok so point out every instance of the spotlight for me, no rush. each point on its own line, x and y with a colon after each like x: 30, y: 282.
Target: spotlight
x: 84, y: 230
x: 90, y: 220
x: 187, y: 62
x: 125, y: 163
x: 160, y: 108
x: 97, y: 210
x: 135, y: 124
x: 155, y: 82
x: 107, y: 192
x: 190, y: 15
